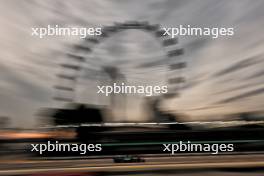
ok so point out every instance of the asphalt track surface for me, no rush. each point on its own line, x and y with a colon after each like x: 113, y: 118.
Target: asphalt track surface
x: 151, y: 164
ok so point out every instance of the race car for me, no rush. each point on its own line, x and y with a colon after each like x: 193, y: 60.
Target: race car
x: 128, y: 159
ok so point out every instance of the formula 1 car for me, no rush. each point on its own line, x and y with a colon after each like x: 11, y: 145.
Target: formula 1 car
x: 128, y: 159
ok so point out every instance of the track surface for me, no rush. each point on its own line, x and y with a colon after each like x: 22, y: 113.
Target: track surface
x: 158, y: 163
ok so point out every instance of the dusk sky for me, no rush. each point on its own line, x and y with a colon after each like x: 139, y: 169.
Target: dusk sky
x: 224, y: 75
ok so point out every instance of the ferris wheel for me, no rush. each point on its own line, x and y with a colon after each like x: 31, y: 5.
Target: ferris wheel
x: 82, y: 63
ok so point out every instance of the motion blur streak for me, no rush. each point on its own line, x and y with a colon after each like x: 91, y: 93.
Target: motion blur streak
x: 215, y: 87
